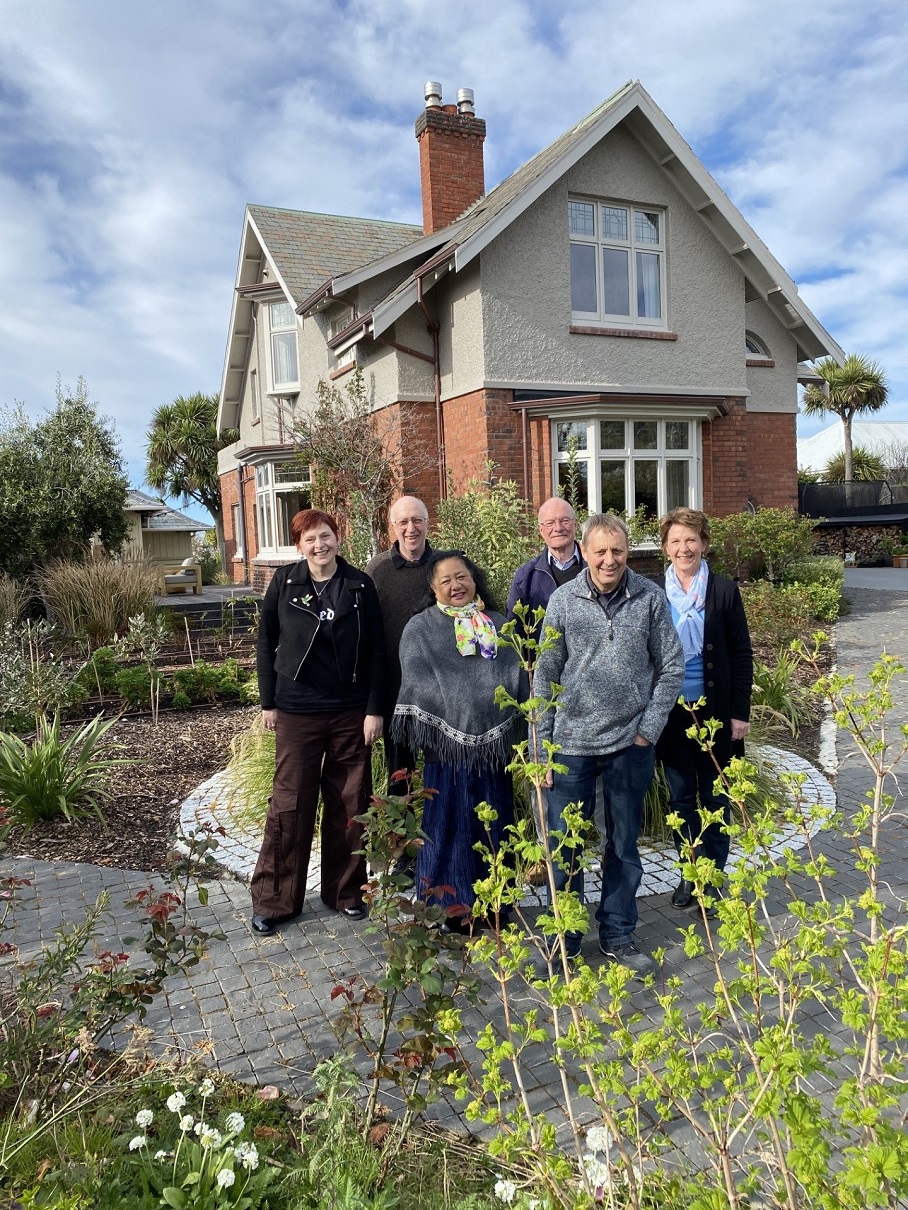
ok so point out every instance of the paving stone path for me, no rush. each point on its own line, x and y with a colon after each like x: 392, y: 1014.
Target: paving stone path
x: 260, y: 1008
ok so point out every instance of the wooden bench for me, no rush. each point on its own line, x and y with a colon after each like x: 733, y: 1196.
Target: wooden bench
x: 180, y: 579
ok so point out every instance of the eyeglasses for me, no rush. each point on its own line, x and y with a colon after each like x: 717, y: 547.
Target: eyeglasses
x: 419, y: 522
x: 558, y: 523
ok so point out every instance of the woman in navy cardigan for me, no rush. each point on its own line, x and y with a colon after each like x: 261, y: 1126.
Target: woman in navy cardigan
x: 709, y: 616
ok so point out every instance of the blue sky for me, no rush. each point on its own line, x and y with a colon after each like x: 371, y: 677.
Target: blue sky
x: 132, y: 136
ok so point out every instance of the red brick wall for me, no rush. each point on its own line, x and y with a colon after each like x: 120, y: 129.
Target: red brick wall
x: 772, y: 459
x: 239, y: 571
x: 481, y: 428
x: 450, y: 164
x: 725, y: 461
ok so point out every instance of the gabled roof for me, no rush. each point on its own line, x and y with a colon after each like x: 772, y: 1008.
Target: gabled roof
x: 307, y: 248
x: 633, y: 105
x: 302, y: 250
x: 161, y: 515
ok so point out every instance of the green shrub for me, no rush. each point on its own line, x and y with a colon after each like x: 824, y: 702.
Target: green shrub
x: 199, y: 683
x: 817, y: 569
x: 133, y: 685
x: 53, y: 776
x: 779, y: 701
x: 34, y: 678
x: 251, y: 770
x: 100, y: 672
x: 492, y: 523
x: 96, y: 600
x: 769, y: 541
x: 775, y: 615
x: 824, y: 600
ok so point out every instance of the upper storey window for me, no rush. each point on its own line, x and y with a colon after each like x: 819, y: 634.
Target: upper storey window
x: 284, y: 368
x: 617, y: 263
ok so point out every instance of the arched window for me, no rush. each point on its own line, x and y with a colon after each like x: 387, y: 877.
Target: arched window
x: 755, y: 347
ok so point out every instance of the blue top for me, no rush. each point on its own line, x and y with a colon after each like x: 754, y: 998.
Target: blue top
x: 692, y: 688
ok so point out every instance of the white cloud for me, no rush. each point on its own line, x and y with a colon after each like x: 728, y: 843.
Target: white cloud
x: 131, y: 138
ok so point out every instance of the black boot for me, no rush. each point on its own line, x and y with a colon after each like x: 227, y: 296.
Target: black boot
x: 683, y: 894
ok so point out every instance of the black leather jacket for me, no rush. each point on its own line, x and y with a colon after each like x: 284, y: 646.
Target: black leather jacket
x: 289, y: 624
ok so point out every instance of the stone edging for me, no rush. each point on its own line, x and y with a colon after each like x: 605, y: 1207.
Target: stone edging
x: 238, y: 849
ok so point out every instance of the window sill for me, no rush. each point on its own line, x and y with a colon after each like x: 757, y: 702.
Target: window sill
x: 755, y: 362
x: 341, y: 371
x: 633, y: 333
x: 258, y: 420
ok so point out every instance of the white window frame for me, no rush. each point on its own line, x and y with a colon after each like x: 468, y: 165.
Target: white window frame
x: 760, y: 351
x: 595, y: 454
x: 272, y: 480
x: 633, y: 246
x: 281, y: 322
x: 236, y: 521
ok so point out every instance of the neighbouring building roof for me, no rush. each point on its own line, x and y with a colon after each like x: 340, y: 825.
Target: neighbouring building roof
x: 878, y: 436
x: 161, y: 515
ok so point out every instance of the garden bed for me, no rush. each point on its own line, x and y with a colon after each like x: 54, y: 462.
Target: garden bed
x: 141, y: 817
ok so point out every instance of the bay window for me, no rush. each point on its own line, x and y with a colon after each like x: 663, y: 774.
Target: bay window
x: 281, y: 490
x: 622, y: 463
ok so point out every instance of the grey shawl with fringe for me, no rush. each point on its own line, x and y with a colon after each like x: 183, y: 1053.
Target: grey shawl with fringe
x: 446, y: 704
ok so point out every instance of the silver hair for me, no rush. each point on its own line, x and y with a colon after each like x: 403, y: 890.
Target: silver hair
x: 607, y: 521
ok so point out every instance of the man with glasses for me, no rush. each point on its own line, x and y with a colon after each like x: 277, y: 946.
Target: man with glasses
x: 400, y: 578
x: 560, y: 562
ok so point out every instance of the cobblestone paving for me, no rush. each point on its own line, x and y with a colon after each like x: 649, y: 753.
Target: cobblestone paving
x: 260, y: 1008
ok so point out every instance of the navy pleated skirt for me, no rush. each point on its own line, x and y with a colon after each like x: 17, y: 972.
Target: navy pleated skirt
x: 447, y: 858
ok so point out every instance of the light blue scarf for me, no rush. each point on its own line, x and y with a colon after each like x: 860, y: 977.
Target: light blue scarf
x: 689, y: 607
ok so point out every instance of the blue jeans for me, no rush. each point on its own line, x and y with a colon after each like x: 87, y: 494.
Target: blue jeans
x: 626, y: 776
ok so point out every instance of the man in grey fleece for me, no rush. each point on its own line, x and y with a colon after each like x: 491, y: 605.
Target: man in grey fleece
x: 620, y: 664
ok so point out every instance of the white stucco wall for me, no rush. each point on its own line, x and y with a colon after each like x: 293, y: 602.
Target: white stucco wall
x: 526, y: 292
x: 459, y: 305
x: 772, y: 389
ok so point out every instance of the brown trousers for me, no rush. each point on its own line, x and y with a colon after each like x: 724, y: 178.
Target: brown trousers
x: 326, y: 752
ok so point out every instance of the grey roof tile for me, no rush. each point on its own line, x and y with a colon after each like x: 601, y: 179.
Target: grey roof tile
x: 309, y: 248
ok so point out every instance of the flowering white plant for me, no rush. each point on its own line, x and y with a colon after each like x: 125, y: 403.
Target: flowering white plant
x: 210, y: 1168
x: 505, y: 1190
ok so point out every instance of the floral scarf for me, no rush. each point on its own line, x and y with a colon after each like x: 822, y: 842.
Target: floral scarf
x: 689, y: 606
x: 473, y: 630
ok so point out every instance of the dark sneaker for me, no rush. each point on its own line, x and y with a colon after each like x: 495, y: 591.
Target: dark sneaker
x: 627, y: 954
x: 404, y: 870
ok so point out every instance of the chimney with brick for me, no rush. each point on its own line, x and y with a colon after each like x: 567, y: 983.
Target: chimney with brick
x: 450, y: 141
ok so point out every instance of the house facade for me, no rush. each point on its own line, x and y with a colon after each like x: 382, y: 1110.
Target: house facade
x: 607, y: 299
x: 156, y: 531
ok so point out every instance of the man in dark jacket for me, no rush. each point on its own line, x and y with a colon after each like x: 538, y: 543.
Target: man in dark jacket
x: 400, y: 580
x: 535, y: 581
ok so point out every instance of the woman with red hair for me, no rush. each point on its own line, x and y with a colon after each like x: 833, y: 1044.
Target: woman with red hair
x: 320, y: 662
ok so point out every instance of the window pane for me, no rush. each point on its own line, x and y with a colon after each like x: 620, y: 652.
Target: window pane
x: 266, y: 531
x: 290, y: 472
x: 615, y: 281
x: 611, y: 476
x: 288, y: 505
x: 649, y: 286
x: 263, y: 474
x: 645, y: 492
x: 282, y: 316
x: 283, y: 352
x: 677, y: 435
x: 581, y: 484
x: 581, y: 218
x: 569, y: 429
x: 611, y: 434
x: 583, y: 278
x: 646, y: 227
x: 677, y: 484
x: 614, y: 222
x: 645, y: 434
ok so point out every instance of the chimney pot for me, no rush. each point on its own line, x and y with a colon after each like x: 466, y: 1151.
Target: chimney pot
x: 433, y: 94
x: 466, y: 102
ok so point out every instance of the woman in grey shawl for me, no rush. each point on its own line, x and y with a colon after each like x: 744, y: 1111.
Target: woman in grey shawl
x: 451, y: 666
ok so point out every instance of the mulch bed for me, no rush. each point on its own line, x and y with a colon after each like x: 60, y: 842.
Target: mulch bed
x: 172, y: 758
